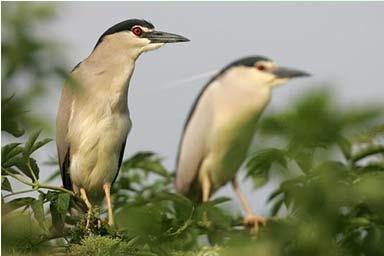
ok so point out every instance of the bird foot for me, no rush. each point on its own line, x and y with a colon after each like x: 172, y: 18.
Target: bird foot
x: 90, y: 224
x: 254, y: 222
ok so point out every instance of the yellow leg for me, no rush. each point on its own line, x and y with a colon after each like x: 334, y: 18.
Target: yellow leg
x: 206, y: 187
x: 250, y: 220
x: 107, y: 191
x: 89, y: 206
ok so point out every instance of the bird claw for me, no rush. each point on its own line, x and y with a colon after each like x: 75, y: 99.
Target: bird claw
x: 254, y: 222
x: 88, y: 224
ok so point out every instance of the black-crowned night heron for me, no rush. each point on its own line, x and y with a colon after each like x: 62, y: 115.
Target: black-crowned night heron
x: 221, y: 125
x: 93, y: 117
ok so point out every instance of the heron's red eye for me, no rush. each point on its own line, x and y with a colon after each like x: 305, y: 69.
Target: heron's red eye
x: 137, y: 31
x: 260, y: 67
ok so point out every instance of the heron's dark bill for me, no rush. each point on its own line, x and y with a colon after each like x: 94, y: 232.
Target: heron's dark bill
x: 282, y: 72
x: 164, y: 37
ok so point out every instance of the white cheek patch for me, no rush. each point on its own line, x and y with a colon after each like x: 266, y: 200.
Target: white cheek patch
x: 151, y: 47
x: 278, y: 81
x: 146, y: 29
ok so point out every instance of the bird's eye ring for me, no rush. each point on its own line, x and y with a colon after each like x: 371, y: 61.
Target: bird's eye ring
x: 261, y: 67
x: 137, y: 31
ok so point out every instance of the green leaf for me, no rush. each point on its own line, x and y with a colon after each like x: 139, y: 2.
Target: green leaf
x: 63, y: 200
x: 9, y: 122
x: 146, y: 161
x: 274, y: 194
x: 30, y: 142
x: 304, y: 159
x: 219, y: 200
x: 335, y: 169
x: 259, y: 165
x: 261, y: 179
x: 217, y: 217
x: 35, y: 167
x: 16, y: 204
x: 39, y: 144
x: 269, y: 156
x: 345, y: 146
x: 17, y: 160
x: 141, y: 220
x: 59, y: 203
x: 38, y: 211
x: 24, y: 168
x: 371, y: 167
x: 370, y: 134
x: 5, y: 150
x: 276, y: 206
x: 368, y: 151
x: 9, y: 153
x: 5, y: 185
x: 11, y: 170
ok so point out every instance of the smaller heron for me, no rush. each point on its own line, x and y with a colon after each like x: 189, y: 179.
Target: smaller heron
x: 220, y: 127
x: 93, y: 118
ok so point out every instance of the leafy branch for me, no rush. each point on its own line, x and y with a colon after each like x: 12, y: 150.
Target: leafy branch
x: 367, y: 151
x: 35, y: 185
x: 17, y: 161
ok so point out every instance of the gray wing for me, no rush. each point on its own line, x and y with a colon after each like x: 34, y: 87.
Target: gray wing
x: 63, y: 147
x: 194, y: 142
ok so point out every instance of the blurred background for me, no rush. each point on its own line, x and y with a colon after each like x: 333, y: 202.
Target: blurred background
x: 340, y: 44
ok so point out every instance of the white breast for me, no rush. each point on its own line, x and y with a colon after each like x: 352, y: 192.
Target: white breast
x: 96, y: 142
x: 237, y: 108
x: 97, y: 131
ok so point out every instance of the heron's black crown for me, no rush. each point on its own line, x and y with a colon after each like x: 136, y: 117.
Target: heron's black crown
x: 249, y: 61
x: 126, y: 25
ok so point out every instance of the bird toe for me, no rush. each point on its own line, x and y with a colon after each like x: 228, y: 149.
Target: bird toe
x: 254, y: 221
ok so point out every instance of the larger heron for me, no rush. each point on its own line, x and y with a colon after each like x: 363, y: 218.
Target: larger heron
x: 93, y: 117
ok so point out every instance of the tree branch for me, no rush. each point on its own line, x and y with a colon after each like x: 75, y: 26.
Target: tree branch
x: 19, y: 192
x: 37, y: 185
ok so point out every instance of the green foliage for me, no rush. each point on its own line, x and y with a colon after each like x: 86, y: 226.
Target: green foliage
x: 331, y: 197
x: 19, y: 165
x: 21, y: 235
x: 101, y: 246
x: 260, y: 164
x: 17, y: 160
x: 204, y: 251
x: 29, y: 64
x: 334, y: 197
x: 155, y: 218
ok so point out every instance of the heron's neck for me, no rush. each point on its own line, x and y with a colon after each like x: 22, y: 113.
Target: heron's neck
x: 109, y: 69
x: 112, y: 60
